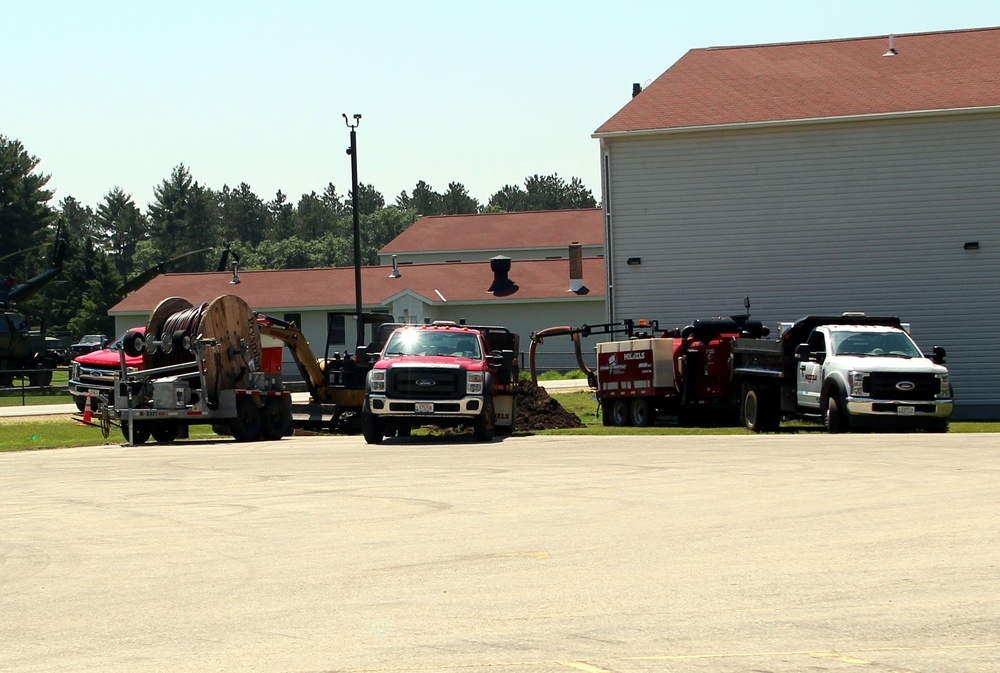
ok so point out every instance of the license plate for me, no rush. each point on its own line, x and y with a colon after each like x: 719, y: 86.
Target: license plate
x: 904, y: 410
x: 424, y: 407
x: 94, y: 393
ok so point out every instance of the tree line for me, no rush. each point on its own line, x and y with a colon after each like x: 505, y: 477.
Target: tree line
x: 188, y: 223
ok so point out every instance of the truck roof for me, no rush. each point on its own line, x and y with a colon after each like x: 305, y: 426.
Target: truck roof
x: 799, y: 331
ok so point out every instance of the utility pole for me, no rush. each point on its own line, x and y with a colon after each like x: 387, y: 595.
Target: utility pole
x: 353, y: 151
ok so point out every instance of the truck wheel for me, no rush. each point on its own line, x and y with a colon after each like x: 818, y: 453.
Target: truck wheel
x: 606, y: 413
x: 246, y: 426
x: 760, y: 410
x: 140, y: 435
x: 164, y: 433
x: 641, y: 412
x: 371, y: 426
x: 81, y: 403
x: 486, y: 423
x: 938, y: 425
x: 836, y: 418
x: 276, y: 418
x: 619, y: 412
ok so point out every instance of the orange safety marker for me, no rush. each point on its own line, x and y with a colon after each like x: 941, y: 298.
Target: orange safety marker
x: 87, y: 413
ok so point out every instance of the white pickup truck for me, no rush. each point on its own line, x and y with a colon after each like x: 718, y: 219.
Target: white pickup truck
x: 850, y: 372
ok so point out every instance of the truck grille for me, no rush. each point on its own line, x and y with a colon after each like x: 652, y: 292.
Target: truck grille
x: 883, y: 386
x: 414, y: 383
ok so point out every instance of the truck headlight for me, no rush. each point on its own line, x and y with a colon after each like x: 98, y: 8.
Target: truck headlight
x: 474, y: 383
x: 859, y: 384
x: 378, y: 381
x: 74, y: 371
x: 944, y: 386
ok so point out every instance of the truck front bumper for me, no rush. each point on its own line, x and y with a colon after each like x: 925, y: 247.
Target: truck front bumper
x: 468, y: 407
x: 901, y: 409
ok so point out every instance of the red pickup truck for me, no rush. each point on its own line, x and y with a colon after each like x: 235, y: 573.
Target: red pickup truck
x: 98, y: 372
x: 444, y: 375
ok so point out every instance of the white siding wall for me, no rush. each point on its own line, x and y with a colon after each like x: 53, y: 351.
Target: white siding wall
x: 867, y: 216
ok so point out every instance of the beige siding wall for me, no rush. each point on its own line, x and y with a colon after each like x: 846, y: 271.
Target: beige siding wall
x: 869, y: 216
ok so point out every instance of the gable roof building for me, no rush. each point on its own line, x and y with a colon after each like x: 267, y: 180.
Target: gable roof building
x: 817, y: 177
x: 542, y: 234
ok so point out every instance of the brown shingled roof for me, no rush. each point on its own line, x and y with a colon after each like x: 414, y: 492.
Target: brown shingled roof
x: 813, y: 80
x: 529, y: 229
x: 294, y: 289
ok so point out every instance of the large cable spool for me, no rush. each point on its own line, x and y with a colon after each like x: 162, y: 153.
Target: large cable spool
x: 227, y: 329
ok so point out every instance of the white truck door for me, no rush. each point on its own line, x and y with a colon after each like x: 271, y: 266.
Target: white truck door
x: 809, y: 374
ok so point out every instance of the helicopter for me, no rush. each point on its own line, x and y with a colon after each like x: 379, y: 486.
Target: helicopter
x: 22, y: 350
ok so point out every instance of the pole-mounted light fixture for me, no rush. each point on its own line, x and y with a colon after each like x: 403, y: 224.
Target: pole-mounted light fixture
x: 353, y: 151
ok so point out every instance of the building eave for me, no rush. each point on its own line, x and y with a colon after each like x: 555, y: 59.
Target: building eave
x: 912, y: 114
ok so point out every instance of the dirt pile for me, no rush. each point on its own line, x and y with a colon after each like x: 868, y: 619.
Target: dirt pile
x: 536, y: 410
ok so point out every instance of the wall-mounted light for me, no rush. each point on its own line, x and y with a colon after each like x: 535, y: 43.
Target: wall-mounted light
x: 634, y: 261
x: 971, y: 245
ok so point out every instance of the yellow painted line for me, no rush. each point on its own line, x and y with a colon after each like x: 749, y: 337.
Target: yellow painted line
x: 844, y: 658
x: 580, y: 666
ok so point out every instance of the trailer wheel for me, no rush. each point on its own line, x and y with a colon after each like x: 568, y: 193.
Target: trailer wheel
x: 641, y: 412
x: 276, y: 418
x: 140, y: 434
x: 760, y: 409
x: 836, y: 418
x: 486, y: 422
x: 619, y: 412
x: 165, y: 432
x: 246, y: 426
x: 371, y: 426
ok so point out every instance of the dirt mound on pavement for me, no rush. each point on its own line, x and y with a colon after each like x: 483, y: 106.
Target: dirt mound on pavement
x: 536, y: 410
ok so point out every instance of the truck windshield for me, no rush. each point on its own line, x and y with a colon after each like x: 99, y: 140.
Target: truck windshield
x: 428, y: 342
x: 897, y: 344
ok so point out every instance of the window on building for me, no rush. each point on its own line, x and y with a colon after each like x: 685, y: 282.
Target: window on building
x: 336, y: 327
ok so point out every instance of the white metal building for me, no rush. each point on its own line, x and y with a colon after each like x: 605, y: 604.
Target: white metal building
x: 818, y: 178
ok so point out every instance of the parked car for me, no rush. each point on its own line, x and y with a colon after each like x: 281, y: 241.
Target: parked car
x: 88, y: 344
x: 98, y: 371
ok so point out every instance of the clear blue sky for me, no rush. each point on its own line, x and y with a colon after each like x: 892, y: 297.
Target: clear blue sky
x: 113, y: 94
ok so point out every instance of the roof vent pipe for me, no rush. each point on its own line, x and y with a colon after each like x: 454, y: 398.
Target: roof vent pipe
x: 636, y: 89
x: 502, y: 284
x: 395, y: 268
x: 575, y: 267
x: 892, y: 46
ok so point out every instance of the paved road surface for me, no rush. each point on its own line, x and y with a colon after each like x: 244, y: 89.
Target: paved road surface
x: 781, y: 553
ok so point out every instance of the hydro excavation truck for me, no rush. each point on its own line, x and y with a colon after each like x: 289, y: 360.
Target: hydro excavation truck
x: 443, y: 374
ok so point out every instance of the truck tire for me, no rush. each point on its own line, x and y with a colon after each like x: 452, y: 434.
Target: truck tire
x: 40, y: 378
x: 140, y: 435
x: 486, y: 423
x: 165, y: 432
x: 761, y: 412
x: 246, y: 426
x: 276, y: 418
x: 371, y: 426
x: 606, y: 413
x: 619, y: 412
x: 836, y: 417
x: 641, y: 412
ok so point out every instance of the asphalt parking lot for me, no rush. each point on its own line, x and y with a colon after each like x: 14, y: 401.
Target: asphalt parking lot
x: 867, y: 553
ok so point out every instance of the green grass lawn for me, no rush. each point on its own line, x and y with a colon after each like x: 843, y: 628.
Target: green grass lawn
x: 21, y: 435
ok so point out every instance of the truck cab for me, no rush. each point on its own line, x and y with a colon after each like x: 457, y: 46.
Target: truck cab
x: 443, y: 374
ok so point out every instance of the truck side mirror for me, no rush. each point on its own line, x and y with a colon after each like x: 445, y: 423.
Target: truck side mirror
x: 802, y: 352
x: 938, y: 355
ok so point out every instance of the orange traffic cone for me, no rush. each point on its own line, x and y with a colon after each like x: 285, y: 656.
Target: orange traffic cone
x: 87, y: 413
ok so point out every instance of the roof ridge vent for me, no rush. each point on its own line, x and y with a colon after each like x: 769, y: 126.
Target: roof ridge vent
x: 892, y: 46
